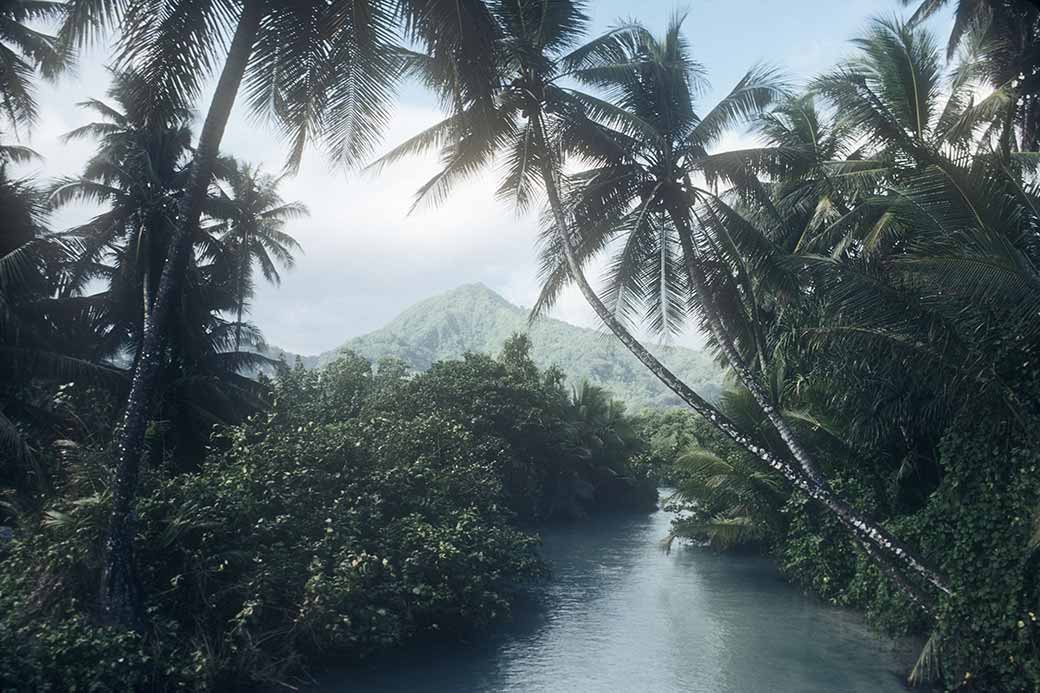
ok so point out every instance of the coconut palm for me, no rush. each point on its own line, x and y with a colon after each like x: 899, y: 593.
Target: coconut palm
x: 599, y: 428
x: 910, y: 254
x: 535, y: 121
x: 321, y: 71
x: 731, y: 501
x: 674, y: 230
x: 36, y: 354
x: 878, y: 229
x: 538, y: 122
x: 138, y: 173
x: 251, y: 215
x: 23, y: 52
x: 1003, y: 38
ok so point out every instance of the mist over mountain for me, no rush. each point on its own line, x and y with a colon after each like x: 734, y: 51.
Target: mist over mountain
x: 473, y: 318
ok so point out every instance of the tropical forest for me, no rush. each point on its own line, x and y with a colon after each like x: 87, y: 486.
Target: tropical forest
x: 540, y: 346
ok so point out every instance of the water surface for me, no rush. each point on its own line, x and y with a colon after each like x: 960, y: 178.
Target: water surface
x: 621, y: 615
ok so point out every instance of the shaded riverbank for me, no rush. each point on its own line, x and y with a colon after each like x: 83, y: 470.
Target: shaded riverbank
x: 619, y: 614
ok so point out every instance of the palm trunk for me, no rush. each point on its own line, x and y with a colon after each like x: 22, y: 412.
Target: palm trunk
x: 238, y: 327
x: 144, y: 258
x: 146, y: 296
x: 868, y: 533
x: 867, y: 530
x: 242, y: 265
x: 120, y: 591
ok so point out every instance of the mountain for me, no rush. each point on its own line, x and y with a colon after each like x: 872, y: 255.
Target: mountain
x: 473, y: 318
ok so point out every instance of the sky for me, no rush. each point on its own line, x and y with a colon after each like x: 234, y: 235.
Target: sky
x: 365, y: 258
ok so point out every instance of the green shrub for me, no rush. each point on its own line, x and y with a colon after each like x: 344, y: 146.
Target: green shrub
x: 980, y: 525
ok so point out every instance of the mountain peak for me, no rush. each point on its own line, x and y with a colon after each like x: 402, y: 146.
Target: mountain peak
x: 475, y: 318
x: 474, y: 291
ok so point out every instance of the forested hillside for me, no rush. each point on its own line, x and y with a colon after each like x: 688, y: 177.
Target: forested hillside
x: 473, y: 318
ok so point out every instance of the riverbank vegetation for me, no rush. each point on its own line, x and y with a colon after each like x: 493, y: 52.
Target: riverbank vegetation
x: 358, y: 508
x: 876, y: 258
x: 867, y: 272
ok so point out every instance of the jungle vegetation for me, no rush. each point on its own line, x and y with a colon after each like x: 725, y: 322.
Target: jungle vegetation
x: 867, y: 273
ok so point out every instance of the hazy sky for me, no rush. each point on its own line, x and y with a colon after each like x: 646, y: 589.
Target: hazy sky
x: 365, y: 259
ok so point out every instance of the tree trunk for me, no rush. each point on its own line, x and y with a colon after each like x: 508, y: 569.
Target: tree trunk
x: 146, y: 296
x: 243, y: 265
x: 868, y: 533
x: 120, y: 592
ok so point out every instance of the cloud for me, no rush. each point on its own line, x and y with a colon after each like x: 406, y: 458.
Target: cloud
x: 365, y: 259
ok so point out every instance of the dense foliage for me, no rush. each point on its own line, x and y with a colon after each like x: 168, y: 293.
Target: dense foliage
x: 877, y: 258
x: 361, y: 509
x: 868, y: 274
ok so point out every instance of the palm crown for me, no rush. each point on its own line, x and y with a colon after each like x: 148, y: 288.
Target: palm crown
x: 250, y: 216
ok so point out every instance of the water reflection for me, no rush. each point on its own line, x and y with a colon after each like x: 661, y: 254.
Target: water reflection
x: 620, y: 615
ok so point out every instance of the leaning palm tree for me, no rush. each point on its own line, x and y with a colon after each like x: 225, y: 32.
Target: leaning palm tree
x: 539, y: 122
x: 672, y: 229
x: 250, y: 216
x: 23, y: 51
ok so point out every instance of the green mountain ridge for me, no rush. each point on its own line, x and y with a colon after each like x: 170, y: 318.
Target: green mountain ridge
x: 473, y: 318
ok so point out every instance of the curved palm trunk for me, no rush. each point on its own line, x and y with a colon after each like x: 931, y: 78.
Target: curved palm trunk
x: 120, y: 591
x: 867, y: 533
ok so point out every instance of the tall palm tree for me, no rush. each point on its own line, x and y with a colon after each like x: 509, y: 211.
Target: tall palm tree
x: 138, y: 172
x: 539, y: 122
x: 940, y: 241
x: 320, y: 70
x: 251, y: 215
x: 23, y: 51
x: 649, y: 195
x: 911, y: 248
x: 1003, y: 38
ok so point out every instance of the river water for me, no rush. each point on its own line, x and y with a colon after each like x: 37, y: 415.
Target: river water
x: 620, y: 615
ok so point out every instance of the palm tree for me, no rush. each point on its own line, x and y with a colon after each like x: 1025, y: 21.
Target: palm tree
x: 909, y: 253
x: 539, y: 123
x: 138, y: 172
x: 896, y: 269
x: 536, y: 120
x: 731, y: 501
x: 1003, y: 38
x: 23, y: 51
x: 319, y: 70
x: 602, y: 433
x: 36, y: 357
x: 943, y: 245
x: 251, y: 215
x: 647, y: 194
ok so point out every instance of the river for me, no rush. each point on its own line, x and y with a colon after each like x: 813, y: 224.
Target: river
x: 621, y: 615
